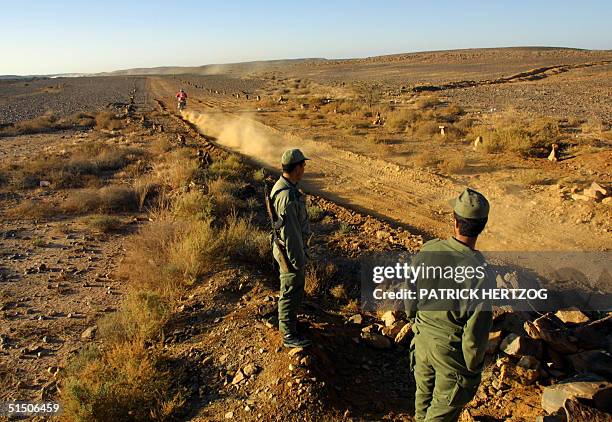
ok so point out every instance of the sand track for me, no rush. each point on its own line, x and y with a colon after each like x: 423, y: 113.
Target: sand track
x: 414, y: 198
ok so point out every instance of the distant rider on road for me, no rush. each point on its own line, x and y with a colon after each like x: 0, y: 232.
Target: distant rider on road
x: 182, y: 99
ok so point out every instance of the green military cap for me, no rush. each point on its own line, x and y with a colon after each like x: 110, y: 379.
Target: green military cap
x: 470, y: 204
x: 291, y: 156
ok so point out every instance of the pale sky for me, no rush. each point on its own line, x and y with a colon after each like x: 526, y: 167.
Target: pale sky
x: 43, y: 37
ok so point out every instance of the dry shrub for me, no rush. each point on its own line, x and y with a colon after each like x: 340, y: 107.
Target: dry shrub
x: 423, y: 103
x: 515, y: 134
x: 107, y: 120
x: 319, y: 277
x: 454, y: 164
x: 464, y: 125
x: 72, y: 170
x: 105, y: 200
x: 141, y: 318
x: 593, y: 126
x: 315, y: 213
x: 161, y: 145
x: 400, y: 119
x: 347, y: 106
x: 203, y: 246
x: 351, y: 307
x: 425, y: 159
x: 451, y: 113
x: 194, y: 205
x: 147, y: 263
x: 378, y: 145
x: 224, y: 202
x: 104, y: 223
x: 145, y: 190
x: 338, y: 292
x: 426, y: 128
x: 129, y: 379
x: 230, y: 168
x: 177, y: 170
x: 47, y: 123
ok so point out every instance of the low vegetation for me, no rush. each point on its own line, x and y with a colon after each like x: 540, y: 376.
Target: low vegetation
x: 49, y: 122
x: 191, y: 236
x: 76, y: 168
x: 518, y: 134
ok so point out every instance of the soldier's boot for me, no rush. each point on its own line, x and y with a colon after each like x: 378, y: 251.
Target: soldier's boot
x: 294, y: 340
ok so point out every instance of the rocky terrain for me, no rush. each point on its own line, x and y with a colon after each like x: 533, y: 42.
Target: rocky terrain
x: 118, y: 301
x: 27, y: 99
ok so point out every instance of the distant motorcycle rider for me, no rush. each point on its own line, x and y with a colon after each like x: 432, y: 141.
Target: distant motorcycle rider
x: 181, y: 96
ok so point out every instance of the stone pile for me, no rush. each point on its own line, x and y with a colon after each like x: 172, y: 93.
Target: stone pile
x: 568, y: 351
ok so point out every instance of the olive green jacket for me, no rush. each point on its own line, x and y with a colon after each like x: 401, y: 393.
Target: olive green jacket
x: 290, y: 206
x: 463, y: 324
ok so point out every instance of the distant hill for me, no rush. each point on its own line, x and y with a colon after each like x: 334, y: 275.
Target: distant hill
x: 238, y: 69
x: 473, y: 55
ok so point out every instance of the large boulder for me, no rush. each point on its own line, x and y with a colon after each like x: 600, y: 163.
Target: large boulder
x: 594, y: 392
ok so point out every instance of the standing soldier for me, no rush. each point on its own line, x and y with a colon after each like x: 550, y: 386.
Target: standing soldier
x: 289, y: 248
x: 448, y: 348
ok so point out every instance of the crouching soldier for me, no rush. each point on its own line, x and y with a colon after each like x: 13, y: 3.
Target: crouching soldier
x: 289, y: 247
x: 448, y: 348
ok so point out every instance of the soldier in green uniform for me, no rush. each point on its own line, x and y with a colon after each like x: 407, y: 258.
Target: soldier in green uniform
x: 290, y: 208
x: 448, y: 348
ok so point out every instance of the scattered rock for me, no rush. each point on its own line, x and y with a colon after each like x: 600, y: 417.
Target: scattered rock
x: 229, y: 415
x: 515, y: 345
x: 528, y: 362
x: 239, y: 377
x: 514, y: 375
x: 576, y: 411
x: 390, y: 317
x: 250, y: 369
x: 382, y: 235
x: 495, y: 338
x: 374, y: 328
x: 403, y: 337
x: 90, y: 333
x: 394, y: 329
x: 593, y: 362
x: 356, y: 319
x: 551, y: 330
x: 294, y: 351
x: 572, y: 316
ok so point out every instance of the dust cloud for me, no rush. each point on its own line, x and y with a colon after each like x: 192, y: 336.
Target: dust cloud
x: 240, y: 134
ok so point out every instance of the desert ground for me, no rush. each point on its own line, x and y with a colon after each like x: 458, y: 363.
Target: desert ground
x: 136, y: 280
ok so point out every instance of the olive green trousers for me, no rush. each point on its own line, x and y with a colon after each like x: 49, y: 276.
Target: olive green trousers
x: 291, y: 295
x: 443, y: 383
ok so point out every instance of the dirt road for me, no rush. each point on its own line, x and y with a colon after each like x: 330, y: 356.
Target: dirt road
x: 415, y: 198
